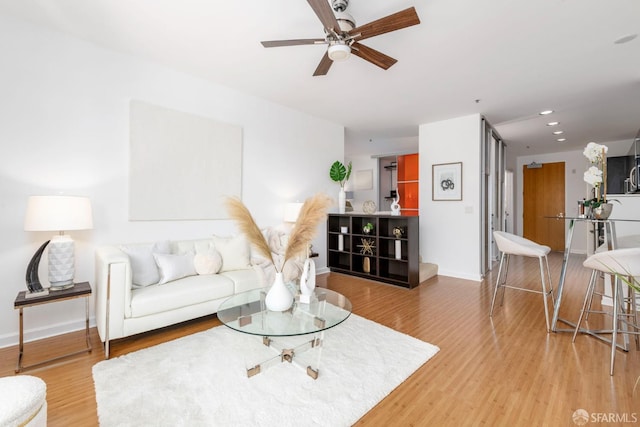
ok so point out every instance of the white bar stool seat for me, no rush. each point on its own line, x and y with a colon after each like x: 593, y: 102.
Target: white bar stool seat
x: 619, y: 263
x: 510, y: 244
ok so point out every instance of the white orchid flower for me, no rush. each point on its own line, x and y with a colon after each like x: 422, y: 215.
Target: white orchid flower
x: 594, y: 152
x: 593, y: 176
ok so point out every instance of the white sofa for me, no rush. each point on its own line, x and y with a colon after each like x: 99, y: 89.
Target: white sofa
x: 141, y: 287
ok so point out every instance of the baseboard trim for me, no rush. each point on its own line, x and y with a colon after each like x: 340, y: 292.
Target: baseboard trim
x: 49, y: 331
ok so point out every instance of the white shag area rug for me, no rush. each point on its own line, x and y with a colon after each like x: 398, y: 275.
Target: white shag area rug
x: 200, y: 380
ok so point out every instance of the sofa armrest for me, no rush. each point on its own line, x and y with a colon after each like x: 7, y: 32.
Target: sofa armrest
x: 113, y: 292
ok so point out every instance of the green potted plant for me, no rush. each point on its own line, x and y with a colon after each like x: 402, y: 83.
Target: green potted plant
x: 340, y: 174
x: 367, y: 228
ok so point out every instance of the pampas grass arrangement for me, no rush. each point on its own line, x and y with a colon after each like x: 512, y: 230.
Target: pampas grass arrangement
x: 313, y: 211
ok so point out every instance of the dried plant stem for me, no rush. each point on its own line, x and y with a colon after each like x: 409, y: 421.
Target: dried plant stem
x: 239, y: 212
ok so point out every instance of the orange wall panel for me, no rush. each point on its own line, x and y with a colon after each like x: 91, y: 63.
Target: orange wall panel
x: 408, y: 167
x: 409, y: 195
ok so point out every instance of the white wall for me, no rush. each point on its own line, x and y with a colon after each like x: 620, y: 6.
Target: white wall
x: 576, y: 189
x: 450, y: 230
x: 64, y: 128
x: 363, y: 163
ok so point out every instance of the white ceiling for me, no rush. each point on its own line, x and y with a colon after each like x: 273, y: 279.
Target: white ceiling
x: 517, y: 57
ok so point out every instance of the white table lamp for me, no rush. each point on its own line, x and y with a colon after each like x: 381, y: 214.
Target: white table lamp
x: 56, y: 213
x: 291, y: 212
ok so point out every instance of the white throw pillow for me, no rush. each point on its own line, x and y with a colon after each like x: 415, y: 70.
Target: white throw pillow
x: 174, y: 266
x: 235, y: 252
x: 201, y: 246
x: 144, y: 270
x: 209, y: 263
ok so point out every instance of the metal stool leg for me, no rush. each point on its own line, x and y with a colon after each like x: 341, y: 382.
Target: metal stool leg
x: 615, y: 321
x: 501, y: 280
x: 586, y: 305
x: 544, y: 294
x: 495, y: 290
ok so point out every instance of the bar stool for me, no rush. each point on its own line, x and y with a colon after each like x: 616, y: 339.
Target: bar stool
x: 510, y: 244
x: 624, y: 265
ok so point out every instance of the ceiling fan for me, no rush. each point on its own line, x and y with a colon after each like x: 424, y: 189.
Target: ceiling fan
x: 343, y: 37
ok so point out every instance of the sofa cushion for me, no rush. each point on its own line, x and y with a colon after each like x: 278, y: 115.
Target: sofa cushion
x: 144, y: 270
x: 198, y: 246
x: 179, y: 293
x: 235, y: 252
x: 209, y: 263
x: 174, y: 266
x: 244, y: 280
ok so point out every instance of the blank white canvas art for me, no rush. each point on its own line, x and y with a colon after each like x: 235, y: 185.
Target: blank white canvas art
x: 181, y: 165
x: 364, y: 179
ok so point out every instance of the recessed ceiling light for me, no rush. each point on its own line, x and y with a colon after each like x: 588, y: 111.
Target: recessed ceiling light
x: 553, y: 123
x: 558, y: 132
x: 625, y: 39
x: 561, y: 139
x: 545, y: 112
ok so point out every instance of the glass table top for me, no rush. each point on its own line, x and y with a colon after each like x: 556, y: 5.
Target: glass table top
x: 245, y: 312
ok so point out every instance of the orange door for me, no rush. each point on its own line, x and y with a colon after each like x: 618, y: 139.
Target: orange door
x: 543, y: 197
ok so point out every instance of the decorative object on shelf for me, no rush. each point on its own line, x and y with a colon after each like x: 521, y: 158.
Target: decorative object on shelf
x: 446, y: 181
x: 56, y: 213
x: 596, y: 176
x: 313, y: 211
x: 367, y: 228
x: 366, y: 264
x: 398, y: 249
x: 348, y: 207
x: 340, y: 242
x: 340, y: 174
x: 307, y: 281
x: 344, y: 230
x: 398, y: 232
x: 395, y: 205
x: 369, y: 207
x: 367, y: 247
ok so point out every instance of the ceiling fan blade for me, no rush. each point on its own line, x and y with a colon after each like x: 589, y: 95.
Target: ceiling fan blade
x: 375, y: 57
x: 325, y: 14
x: 279, y: 43
x: 396, y: 21
x: 324, y: 65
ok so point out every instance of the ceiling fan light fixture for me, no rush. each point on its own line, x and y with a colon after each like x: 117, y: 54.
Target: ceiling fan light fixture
x: 339, y: 52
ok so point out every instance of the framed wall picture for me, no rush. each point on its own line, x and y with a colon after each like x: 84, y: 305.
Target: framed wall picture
x: 447, y: 181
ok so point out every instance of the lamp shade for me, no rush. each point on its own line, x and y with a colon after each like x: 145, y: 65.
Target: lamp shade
x: 291, y: 212
x: 58, y: 213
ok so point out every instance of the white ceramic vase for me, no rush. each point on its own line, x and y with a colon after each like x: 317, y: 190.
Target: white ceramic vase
x: 342, y: 200
x: 278, y: 298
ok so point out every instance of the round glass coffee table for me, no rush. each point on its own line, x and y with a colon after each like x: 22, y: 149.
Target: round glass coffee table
x: 246, y: 312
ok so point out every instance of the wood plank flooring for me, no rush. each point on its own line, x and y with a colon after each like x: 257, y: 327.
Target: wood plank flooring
x: 500, y: 371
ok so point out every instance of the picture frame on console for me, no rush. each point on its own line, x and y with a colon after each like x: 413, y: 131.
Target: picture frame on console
x: 446, y: 181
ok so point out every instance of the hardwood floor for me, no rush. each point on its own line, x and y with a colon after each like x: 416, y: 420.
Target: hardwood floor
x: 504, y: 370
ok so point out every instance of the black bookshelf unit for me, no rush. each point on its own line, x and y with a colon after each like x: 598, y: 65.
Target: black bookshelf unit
x: 384, y: 264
